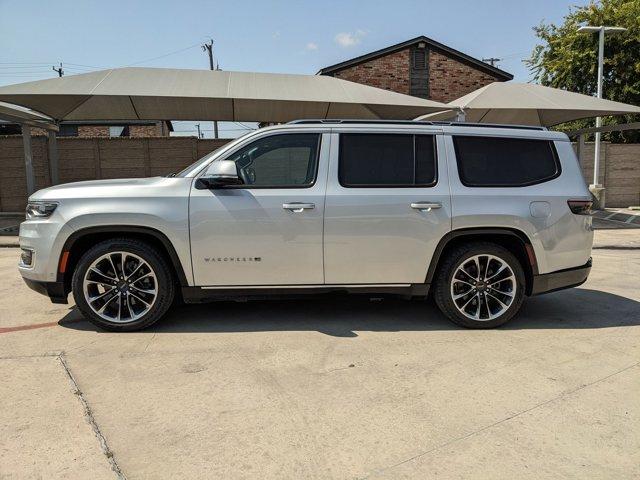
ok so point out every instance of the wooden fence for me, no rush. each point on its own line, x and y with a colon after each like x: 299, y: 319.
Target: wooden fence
x: 94, y: 158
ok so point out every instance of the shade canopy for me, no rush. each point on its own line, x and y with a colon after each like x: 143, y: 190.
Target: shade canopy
x: 529, y: 104
x: 25, y: 116
x: 170, y: 94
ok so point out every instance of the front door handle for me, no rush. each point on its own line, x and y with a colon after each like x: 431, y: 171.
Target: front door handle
x: 298, y: 207
x: 426, y: 206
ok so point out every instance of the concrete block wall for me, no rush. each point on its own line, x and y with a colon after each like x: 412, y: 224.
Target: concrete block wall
x: 619, y: 172
x: 94, y: 158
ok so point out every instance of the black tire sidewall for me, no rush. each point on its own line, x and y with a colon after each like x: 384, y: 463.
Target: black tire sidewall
x: 455, y: 259
x: 165, y: 283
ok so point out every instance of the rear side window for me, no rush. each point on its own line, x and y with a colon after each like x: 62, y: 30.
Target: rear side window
x: 387, y: 160
x: 505, y: 162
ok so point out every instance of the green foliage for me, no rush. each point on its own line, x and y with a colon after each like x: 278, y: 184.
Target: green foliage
x: 568, y: 59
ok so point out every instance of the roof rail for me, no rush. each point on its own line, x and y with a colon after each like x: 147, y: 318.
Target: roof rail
x: 411, y: 122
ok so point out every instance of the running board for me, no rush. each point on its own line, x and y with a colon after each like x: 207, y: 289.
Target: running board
x: 223, y: 292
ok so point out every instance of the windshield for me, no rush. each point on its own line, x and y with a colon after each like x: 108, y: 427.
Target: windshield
x: 195, y: 167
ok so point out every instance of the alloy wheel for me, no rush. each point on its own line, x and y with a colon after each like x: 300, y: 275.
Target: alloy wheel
x: 120, y: 287
x: 483, y: 287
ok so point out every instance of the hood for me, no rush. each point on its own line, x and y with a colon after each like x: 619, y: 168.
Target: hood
x: 121, y: 187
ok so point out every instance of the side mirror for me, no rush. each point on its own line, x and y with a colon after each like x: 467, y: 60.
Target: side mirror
x: 219, y: 174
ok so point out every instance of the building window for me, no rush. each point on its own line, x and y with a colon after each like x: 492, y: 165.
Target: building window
x: 119, y: 131
x: 68, y: 131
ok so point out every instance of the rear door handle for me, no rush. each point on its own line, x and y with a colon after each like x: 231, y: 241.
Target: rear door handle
x: 298, y: 207
x: 426, y: 206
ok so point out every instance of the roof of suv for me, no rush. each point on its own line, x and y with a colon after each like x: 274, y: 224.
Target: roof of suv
x: 412, y: 122
x: 460, y: 128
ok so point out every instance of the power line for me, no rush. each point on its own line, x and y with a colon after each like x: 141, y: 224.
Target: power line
x: 162, y: 56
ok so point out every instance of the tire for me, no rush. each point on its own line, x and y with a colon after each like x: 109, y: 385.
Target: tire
x: 109, y: 299
x: 478, y: 303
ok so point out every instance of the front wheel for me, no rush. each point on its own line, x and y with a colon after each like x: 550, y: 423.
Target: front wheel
x: 480, y: 285
x: 123, y: 285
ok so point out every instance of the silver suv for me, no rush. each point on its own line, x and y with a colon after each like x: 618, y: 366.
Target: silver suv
x: 480, y: 216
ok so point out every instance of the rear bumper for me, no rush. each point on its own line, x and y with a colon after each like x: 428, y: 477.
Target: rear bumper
x: 550, y: 282
x: 54, y: 290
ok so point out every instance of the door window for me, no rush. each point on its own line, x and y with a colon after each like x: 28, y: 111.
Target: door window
x: 284, y: 161
x: 387, y: 160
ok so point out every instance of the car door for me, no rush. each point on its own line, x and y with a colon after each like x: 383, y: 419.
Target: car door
x: 387, y: 206
x: 267, y: 231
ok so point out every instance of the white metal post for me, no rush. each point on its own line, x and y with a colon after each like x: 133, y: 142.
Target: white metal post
x: 596, y: 154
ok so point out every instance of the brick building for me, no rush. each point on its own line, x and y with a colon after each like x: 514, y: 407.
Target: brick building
x: 420, y: 67
x: 89, y: 129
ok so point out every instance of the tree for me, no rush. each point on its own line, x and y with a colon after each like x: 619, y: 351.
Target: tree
x: 569, y: 60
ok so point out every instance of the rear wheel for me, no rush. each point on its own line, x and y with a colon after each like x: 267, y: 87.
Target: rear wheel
x: 480, y: 285
x: 123, y: 285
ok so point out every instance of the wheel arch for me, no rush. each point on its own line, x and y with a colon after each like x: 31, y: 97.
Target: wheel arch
x: 512, y: 239
x: 80, y: 240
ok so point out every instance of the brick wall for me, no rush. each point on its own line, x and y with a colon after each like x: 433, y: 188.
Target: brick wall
x: 102, y: 131
x: 448, y: 78
x: 145, y: 131
x: 99, y: 131
x: 92, y: 158
x: 390, y: 72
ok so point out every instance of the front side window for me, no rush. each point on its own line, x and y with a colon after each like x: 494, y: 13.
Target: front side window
x: 387, y: 160
x: 289, y: 160
x: 505, y: 162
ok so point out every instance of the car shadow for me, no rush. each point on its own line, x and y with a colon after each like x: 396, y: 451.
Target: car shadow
x: 343, y: 315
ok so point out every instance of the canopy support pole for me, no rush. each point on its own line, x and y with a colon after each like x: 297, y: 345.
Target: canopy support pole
x: 28, y: 159
x: 580, y: 149
x: 54, y: 171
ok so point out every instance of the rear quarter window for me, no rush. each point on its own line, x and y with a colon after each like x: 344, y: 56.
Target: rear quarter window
x: 505, y: 162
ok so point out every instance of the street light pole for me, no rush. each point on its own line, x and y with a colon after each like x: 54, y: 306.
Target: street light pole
x: 596, y: 154
x: 601, y: 32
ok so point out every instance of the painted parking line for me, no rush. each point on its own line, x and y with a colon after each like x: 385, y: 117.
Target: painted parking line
x: 35, y: 326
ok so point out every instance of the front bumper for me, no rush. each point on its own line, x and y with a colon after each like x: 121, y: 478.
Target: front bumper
x: 570, y: 277
x: 54, y: 290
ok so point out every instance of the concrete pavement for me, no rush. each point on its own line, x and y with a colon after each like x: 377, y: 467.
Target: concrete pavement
x: 334, y: 387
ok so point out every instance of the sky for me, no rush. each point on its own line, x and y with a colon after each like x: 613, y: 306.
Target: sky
x: 260, y: 36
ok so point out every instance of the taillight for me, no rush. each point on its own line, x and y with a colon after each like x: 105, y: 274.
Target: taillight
x: 581, y: 207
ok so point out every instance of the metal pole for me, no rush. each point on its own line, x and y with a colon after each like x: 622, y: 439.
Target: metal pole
x: 53, y: 158
x: 28, y: 159
x: 596, y: 154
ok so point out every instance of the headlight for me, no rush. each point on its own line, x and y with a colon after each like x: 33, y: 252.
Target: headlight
x: 40, y: 209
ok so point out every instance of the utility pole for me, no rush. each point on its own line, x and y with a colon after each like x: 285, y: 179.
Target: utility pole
x: 59, y: 70
x: 208, y: 47
x: 601, y: 30
x: 492, y: 61
x: 198, y: 127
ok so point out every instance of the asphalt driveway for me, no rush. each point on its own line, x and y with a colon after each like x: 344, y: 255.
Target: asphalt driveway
x: 334, y: 387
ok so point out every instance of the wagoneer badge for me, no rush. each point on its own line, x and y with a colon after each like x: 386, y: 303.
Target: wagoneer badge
x: 232, y: 259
